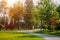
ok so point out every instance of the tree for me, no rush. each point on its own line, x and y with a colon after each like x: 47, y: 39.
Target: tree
x: 3, y: 8
x: 58, y: 10
x: 17, y: 12
x: 29, y: 11
x: 46, y: 10
x: 3, y: 3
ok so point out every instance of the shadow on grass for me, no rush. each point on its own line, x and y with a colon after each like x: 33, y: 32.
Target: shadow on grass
x: 56, y: 33
x: 16, y: 33
x: 11, y: 32
x: 28, y: 36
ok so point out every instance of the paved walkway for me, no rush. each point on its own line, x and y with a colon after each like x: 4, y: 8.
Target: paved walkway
x: 45, y: 36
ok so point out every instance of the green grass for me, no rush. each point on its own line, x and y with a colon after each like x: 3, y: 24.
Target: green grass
x: 55, y: 33
x: 5, y: 35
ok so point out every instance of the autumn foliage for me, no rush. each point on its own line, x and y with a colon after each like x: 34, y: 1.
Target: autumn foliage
x: 53, y: 21
x: 17, y: 11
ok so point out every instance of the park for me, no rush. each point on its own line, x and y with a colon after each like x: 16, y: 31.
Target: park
x: 29, y: 20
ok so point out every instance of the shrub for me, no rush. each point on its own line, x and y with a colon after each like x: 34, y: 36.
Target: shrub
x: 58, y: 27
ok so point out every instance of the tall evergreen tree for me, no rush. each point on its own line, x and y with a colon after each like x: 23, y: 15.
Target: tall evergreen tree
x: 29, y: 10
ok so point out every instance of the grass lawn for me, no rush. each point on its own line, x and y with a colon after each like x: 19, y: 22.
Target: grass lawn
x: 7, y: 35
x: 56, y: 33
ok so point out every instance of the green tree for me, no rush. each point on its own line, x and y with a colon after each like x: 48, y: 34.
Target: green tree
x: 58, y: 10
x: 46, y: 10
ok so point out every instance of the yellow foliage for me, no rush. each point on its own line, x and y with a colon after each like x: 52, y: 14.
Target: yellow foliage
x: 17, y: 11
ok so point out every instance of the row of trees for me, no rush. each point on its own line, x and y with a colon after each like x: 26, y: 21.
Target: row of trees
x: 46, y: 14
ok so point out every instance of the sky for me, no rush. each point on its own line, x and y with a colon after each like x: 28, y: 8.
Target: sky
x: 11, y: 2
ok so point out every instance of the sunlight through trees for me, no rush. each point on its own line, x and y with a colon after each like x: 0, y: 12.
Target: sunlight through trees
x: 29, y: 15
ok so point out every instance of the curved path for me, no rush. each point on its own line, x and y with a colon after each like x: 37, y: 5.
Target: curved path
x: 45, y: 36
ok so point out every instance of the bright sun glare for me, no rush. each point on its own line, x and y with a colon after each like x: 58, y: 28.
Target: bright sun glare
x: 11, y: 2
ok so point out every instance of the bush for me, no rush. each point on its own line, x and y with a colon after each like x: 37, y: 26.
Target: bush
x: 9, y: 26
x: 58, y: 27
